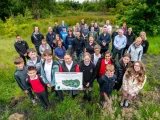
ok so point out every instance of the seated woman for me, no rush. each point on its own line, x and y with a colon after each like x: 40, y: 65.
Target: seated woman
x: 59, y: 52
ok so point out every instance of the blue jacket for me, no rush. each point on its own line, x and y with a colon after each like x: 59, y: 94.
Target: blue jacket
x: 63, y: 36
x: 61, y: 27
x: 106, y: 39
x: 50, y: 38
x: 55, y: 68
x: 106, y: 84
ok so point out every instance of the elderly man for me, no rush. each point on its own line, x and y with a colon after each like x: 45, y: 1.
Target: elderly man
x: 119, y: 44
x: 103, y: 40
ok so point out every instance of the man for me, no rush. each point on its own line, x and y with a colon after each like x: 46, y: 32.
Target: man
x: 114, y: 34
x: 103, y: 40
x: 78, y: 46
x: 93, y: 33
x: 63, y: 25
x: 56, y: 28
x: 119, y: 44
x: 130, y: 38
x: 21, y: 47
x: 50, y: 37
x: 63, y: 35
x: 36, y: 39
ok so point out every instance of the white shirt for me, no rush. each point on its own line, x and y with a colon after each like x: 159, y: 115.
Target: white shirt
x: 96, y: 58
x: 109, y: 28
x: 69, y: 66
x: 48, y: 69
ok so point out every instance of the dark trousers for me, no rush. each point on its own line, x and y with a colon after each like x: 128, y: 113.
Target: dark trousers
x: 103, y: 51
x: 59, y: 93
x: 120, y: 53
x: 30, y: 94
x: 24, y: 58
x: 43, y: 98
x: 37, y: 49
x: 125, y: 49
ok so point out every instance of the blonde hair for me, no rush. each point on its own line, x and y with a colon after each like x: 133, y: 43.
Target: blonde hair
x: 144, y: 33
x: 110, y: 67
x: 97, y: 47
x: 139, y: 38
x: 86, y: 54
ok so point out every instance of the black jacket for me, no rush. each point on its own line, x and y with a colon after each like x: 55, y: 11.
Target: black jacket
x: 106, y: 39
x: 21, y: 47
x: 78, y: 45
x: 21, y: 77
x: 63, y: 67
x: 37, y: 39
x: 50, y: 38
x: 88, y: 72
x: 56, y: 29
x: 106, y: 84
x: 120, y: 70
x: 130, y: 38
x: 90, y: 48
x: 114, y: 34
x: 145, y: 45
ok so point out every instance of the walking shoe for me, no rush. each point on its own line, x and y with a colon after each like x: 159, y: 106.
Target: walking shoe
x: 121, y: 104
x: 34, y: 102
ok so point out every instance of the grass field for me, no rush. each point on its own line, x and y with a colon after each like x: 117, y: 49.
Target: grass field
x: 146, y: 105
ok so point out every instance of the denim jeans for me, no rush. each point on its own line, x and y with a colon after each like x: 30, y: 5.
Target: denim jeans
x: 120, y: 53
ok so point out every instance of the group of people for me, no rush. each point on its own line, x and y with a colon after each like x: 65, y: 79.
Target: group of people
x: 82, y: 49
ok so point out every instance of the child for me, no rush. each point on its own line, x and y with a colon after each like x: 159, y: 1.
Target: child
x: 121, y: 68
x: 133, y: 81
x: 69, y: 65
x: 96, y: 56
x: 43, y: 47
x: 38, y: 86
x: 88, y: 69
x: 102, y: 62
x: 21, y: 76
x: 34, y: 60
x: 106, y: 83
x: 48, y: 69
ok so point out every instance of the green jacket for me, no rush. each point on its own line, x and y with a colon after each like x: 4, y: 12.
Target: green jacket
x: 21, y: 77
x: 94, y: 34
x: 55, y: 68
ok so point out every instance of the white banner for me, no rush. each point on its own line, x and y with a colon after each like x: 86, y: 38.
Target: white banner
x: 68, y: 80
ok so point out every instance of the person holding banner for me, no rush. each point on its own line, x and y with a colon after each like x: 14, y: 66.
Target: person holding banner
x: 88, y: 69
x: 69, y: 65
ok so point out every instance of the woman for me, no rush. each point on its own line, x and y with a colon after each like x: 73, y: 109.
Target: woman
x: 69, y: 65
x: 133, y: 81
x: 145, y: 43
x: 78, y: 28
x: 60, y: 51
x: 121, y: 67
x: 57, y: 38
x: 124, y: 28
x: 69, y: 40
x: 136, y: 50
x: 102, y: 63
x: 90, y: 45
